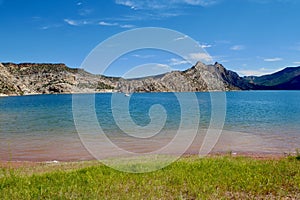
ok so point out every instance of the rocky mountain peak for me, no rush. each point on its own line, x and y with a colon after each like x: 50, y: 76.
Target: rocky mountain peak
x: 199, y: 66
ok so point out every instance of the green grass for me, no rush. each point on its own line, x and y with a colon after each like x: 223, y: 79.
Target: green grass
x: 297, y: 154
x: 188, y: 178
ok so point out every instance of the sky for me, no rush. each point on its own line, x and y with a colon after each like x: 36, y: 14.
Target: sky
x: 251, y: 37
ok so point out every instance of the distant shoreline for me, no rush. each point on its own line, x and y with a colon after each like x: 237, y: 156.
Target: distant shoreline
x: 109, y: 92
x: 252, y: 155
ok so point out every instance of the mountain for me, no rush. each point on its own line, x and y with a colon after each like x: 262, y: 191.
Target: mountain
x: 286, y: 79
x: 200, y: 77
x: 293, y: 84
x: 32, y: 78
x: 45, y: 78
x: 8, y: 83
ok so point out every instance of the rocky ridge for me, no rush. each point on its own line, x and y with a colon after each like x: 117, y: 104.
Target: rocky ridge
x: 31, y: 78
x: 286, y: 79
x: 200, y: 77
x: 44, y: 78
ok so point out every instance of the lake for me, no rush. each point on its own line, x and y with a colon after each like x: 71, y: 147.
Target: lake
x: 42, y: 128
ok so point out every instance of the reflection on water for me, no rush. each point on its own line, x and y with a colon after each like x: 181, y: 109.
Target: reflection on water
x: 42, y: 128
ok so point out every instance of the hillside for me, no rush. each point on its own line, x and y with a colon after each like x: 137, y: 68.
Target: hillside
x: 32, y: 78
x: 45, y: 78
x: 293, y: 84
x: 200, y: 77
x: 284, y: 79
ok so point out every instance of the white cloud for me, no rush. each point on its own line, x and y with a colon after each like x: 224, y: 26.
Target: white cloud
x: 250, y: 72
x: 143, y: 5
x: 175, y: 61
x: 237, y: 47
x: 156, y: 9
x: 50, y: 26
x: 91, y: 22
x: 297, y: 63
x: 126, y: 3
x: 163, y: 4
x: 71, y: 22
x: 205, y: 46
x: 108, y: 24
x: 181, y: 38
x: 258, y: 72
x: 272, y: 1
x: 102, y: 23
x: 272, y: 59
x: 203, y: 57
x: 164, y: 67
x: 127, y: 26
x: 203, y: 3
x: 79, y: 22
x: 79, y: 4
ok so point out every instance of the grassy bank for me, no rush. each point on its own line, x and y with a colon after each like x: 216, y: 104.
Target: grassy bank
x: 188, y: 178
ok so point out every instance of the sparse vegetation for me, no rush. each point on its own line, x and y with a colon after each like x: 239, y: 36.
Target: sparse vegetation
x: 189, y: 178
x: 38, y: 68
x: 297, y: 154
x: 102, y: 86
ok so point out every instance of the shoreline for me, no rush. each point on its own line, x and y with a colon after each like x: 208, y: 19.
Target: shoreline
x: 15, y: 164
x: 229, y: 177
x: 112, y: 92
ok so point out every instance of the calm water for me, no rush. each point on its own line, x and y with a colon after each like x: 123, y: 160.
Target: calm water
x: 42, y: 127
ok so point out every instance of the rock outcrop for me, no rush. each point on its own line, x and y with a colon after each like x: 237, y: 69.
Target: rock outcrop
x: 9, y: 85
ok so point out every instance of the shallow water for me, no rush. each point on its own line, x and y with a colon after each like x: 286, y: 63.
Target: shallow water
x: 42, y: 127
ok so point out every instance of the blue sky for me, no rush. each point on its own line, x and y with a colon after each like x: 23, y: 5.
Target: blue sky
x: 252, y: 37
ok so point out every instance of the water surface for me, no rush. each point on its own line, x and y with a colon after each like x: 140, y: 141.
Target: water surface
x: 42, y: 128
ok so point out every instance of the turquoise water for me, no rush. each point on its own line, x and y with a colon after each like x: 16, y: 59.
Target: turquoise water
x: 42, y: 127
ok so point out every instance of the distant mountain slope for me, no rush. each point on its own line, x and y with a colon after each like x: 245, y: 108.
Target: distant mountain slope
x: 293, y: 84
x: 276, y: 79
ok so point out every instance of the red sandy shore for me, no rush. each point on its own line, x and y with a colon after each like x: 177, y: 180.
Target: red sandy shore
x: 258, y: 156
x: 18, y: 164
